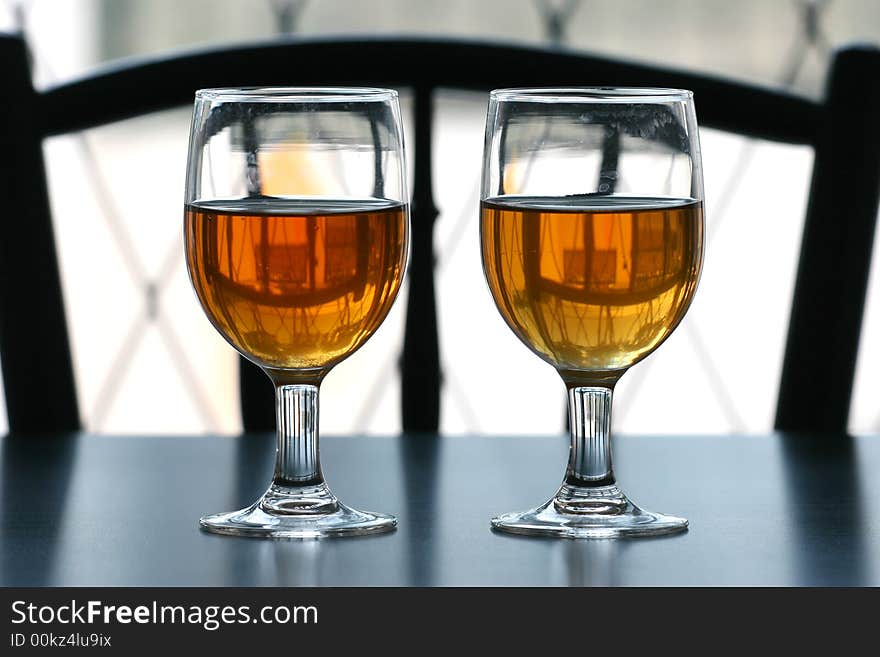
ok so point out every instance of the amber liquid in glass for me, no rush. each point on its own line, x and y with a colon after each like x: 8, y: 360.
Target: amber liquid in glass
x: 592, y: 282
x: 296, y: 283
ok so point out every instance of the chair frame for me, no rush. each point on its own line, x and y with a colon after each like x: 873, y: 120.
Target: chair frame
x: 829, y: 295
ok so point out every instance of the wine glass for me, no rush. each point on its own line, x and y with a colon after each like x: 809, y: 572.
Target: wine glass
x: 297, y: 236
x: 592, y: 244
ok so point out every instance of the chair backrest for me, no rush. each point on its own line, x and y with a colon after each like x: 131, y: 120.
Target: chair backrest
x: 833, y: 269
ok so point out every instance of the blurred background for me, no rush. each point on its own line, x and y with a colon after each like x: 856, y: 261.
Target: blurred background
x: 147, y: 360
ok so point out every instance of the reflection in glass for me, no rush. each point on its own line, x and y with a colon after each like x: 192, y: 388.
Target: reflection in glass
x: 592, y: 289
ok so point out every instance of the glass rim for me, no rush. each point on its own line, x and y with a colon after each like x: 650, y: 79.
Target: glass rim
x: 591, y: 94
x: 297, y: 94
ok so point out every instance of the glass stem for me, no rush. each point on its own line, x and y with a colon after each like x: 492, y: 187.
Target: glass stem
x: 298, y: 486
x: 297, y: 462
x: 589, y: 486
x: 589, y: 460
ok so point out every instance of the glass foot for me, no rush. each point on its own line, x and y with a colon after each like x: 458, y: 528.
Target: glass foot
x: 576, y: 512
x: 303, y: 512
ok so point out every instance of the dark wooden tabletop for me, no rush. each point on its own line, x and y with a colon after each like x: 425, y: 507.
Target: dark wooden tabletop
x: 764, y: 510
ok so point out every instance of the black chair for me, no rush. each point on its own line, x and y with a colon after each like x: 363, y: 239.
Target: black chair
x: 826, y: 315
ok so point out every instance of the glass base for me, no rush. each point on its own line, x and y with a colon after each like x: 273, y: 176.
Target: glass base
x: 576, y: 512
x: 298, y: 512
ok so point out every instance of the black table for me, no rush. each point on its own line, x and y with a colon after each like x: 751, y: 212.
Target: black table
x: 764, y: 510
